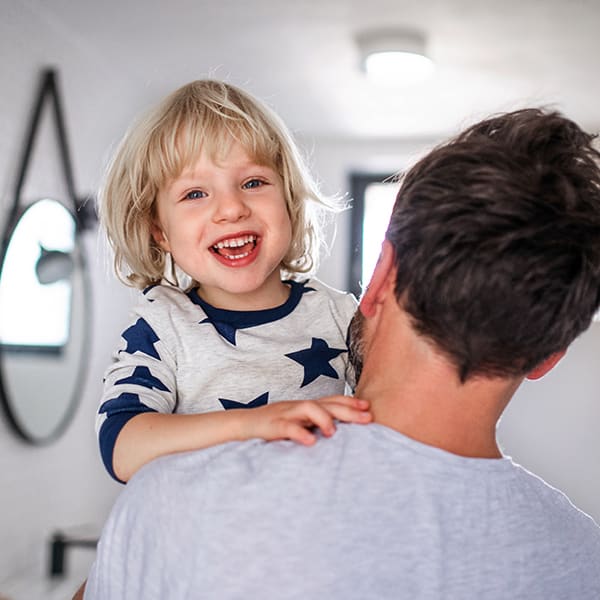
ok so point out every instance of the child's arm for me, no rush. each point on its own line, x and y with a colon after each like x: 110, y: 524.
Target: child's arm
x: 150, y: 435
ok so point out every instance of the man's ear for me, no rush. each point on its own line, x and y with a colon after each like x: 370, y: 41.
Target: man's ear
x: 546, y: 365
x: 159, y: 237
x: 381, y: 282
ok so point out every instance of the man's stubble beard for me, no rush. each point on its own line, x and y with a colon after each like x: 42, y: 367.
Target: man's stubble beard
x: 356, y: 344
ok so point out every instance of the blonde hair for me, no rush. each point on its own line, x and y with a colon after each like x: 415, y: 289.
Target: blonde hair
x: 202, y: 116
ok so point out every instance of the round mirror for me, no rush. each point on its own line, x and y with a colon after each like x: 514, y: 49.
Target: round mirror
x: 44, y: 317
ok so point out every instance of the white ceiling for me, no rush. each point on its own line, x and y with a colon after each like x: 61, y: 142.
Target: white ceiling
x: 300, y: 56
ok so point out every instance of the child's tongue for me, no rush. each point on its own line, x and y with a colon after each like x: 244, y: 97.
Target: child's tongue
x: 237, y: 250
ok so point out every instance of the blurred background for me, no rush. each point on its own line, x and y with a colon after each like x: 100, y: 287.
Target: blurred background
x: 113, y: 59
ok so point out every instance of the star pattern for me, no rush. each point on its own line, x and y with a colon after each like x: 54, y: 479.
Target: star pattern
x: 124, y: 403
x: 142, y: 376
x: 140, y: 337
x: 315, y: 360
x: 258, y: 401
x: 226, y: 330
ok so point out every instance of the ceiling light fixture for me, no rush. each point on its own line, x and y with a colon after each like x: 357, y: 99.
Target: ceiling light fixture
x: 394, y: 56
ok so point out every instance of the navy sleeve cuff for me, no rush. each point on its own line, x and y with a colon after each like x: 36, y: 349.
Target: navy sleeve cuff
x: 107, y: 437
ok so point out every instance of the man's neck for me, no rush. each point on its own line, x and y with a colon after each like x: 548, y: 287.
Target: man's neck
x: 415, y: 391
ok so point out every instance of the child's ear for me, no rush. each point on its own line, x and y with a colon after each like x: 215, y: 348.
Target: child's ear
x: 159, y: 237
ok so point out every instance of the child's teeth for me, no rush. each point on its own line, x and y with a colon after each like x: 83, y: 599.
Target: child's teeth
x: 235, y: 242
x: 237, y: 256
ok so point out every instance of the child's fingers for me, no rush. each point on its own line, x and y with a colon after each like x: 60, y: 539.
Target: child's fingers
x: 297, y: 433
x: 346, y: 400
x: 351, y: 412
x: 315, y: 414
x: 294, y: 419
x: 290, y: 420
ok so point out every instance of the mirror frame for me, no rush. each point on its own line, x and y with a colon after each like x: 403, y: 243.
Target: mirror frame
x: 48, y: 92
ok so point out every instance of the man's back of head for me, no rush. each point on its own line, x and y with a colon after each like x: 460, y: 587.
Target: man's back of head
x: 496, y: 237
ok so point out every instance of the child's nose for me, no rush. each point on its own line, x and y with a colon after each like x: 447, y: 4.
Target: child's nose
x: 231, y: 207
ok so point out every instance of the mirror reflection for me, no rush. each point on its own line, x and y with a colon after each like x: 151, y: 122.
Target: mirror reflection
x: 43, y: 331
x: 37, y: 273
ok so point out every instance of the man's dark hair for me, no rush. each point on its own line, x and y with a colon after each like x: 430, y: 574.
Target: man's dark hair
x: 497, y: 242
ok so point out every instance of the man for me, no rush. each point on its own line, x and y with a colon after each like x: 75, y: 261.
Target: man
x: 489, y: 270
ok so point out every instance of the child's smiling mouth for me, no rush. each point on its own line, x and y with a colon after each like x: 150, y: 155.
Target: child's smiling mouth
x: 235, y: 248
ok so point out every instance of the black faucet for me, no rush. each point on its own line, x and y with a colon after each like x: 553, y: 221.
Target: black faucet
x: 58, y: 547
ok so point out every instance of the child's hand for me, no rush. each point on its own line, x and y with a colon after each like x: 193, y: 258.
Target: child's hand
x: 294, y: 419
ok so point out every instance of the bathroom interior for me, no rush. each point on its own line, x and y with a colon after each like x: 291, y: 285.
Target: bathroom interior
x: 73, y: 76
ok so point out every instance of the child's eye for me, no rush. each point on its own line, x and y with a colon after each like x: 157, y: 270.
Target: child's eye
x: 195, y: 195
x: 253, y: 183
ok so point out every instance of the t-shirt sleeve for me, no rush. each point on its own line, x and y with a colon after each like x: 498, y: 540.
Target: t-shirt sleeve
x: 140, y: 379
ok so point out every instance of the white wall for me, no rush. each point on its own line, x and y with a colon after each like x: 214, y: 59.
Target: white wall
x: 551, y: 427
x: 61, y: 485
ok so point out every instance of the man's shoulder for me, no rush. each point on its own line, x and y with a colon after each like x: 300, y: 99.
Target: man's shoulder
x: 253, y: 457
x: 556, y: 510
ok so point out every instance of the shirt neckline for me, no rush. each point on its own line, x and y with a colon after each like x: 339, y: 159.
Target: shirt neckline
x: 252, y: 318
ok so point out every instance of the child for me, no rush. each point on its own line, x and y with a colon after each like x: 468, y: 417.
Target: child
x: 206, y: 205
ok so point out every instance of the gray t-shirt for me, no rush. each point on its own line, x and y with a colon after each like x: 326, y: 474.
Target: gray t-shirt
x: 366, y: 514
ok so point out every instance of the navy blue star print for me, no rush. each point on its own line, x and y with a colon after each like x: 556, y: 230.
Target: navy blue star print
x: 226, y: 330
x: 140, y: 337
x: 124, y: 403
x: 258, y: 401
x: 142, y: 376
x: 315, y: 360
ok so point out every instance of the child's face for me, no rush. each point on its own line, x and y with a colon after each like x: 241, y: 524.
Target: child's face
x: 226, y: 225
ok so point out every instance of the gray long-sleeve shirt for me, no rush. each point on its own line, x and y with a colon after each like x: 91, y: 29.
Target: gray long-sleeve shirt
x: 182, y: 355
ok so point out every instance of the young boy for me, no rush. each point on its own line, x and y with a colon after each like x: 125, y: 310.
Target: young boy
x: 210, y: 210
